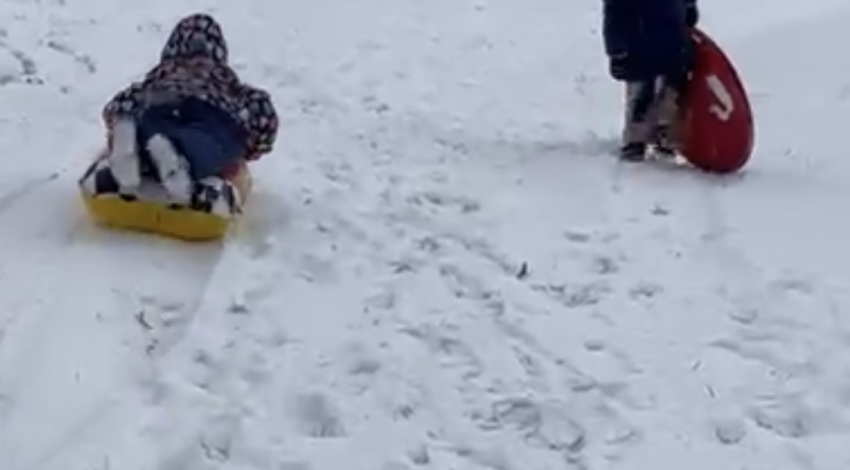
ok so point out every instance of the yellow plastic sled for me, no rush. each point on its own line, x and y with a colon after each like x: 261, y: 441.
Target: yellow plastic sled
x: 150, y: 213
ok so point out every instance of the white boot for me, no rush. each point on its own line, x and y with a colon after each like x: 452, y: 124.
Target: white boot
x: 214, y: 191
x: 173, y: 169
x: 124, y: 157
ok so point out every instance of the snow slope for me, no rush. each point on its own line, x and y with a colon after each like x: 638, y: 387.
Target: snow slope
x: 442, y: 268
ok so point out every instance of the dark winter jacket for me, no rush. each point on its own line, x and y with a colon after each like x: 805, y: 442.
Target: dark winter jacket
x: 194, y: 64
x: 652, y: 34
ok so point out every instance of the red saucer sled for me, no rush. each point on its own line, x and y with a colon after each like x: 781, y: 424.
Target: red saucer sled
x: 716, y: 126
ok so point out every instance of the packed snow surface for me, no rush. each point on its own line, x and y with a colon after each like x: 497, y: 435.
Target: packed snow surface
x: 442, y: 267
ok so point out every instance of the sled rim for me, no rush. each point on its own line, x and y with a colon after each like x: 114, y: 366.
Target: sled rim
x: 702, y: 41
x: 700, y: 35
x: 149, y: 217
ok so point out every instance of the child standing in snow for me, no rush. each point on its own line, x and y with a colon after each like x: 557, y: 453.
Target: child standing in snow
x: 191, y: 122
x: 648, y: 46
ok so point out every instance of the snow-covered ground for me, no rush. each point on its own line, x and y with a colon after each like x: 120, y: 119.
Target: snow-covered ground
x: 442, y: 268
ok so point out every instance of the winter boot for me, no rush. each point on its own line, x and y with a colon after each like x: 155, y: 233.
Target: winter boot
x: 633, y: 152
x: 217, y: 196
x: 664, y: 147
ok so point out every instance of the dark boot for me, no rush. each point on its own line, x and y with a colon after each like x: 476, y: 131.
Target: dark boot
x: 664, y: 147
x: 633, y: 152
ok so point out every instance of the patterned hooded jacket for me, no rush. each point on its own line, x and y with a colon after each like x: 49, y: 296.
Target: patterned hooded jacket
x: 194, y: 63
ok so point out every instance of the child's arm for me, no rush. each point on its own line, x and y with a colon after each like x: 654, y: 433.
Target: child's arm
x: 262, y: 121
x: 129, y: 100
x: 691, y: 13
x: 125, y: 102
x: 619, y: 22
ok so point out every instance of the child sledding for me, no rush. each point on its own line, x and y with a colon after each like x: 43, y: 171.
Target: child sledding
x: 179, y: 141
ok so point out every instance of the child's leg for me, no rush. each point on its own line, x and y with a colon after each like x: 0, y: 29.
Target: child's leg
x: 209, y: 153
x: 123, y: 156
x: 667, y: 109
x: 211, y: 140
x: 155, y: 137
x: 640, y: 100
x: 192, y: 144
x: 172, y: 168
x: 214, y: 146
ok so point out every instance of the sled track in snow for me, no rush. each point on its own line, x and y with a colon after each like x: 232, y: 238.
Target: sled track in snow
x: 9, y: 198
x: 87, y: 310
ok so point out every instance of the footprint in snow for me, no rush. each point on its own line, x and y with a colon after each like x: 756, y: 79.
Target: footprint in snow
x: 792, y: 286
x: 543, y: 425
x: 576, y: 295
x: 83, y: 60
x: 645, y: 290
x: 787, y: 418
x: 605, y: 265
x: 442, y: 200
x: 489, y: 253
x: 164, y: 322
x: 729, y: 431
x: 463, y: 284
x: 452, y: 352
x: 317, y: 416
x: 360, y: 361
x: 582, y: 237
x: 258, y: 371
x: 419, y: 455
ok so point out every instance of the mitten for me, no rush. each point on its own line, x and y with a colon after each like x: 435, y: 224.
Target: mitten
x: 691, y: 15
x: 619, y: 67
